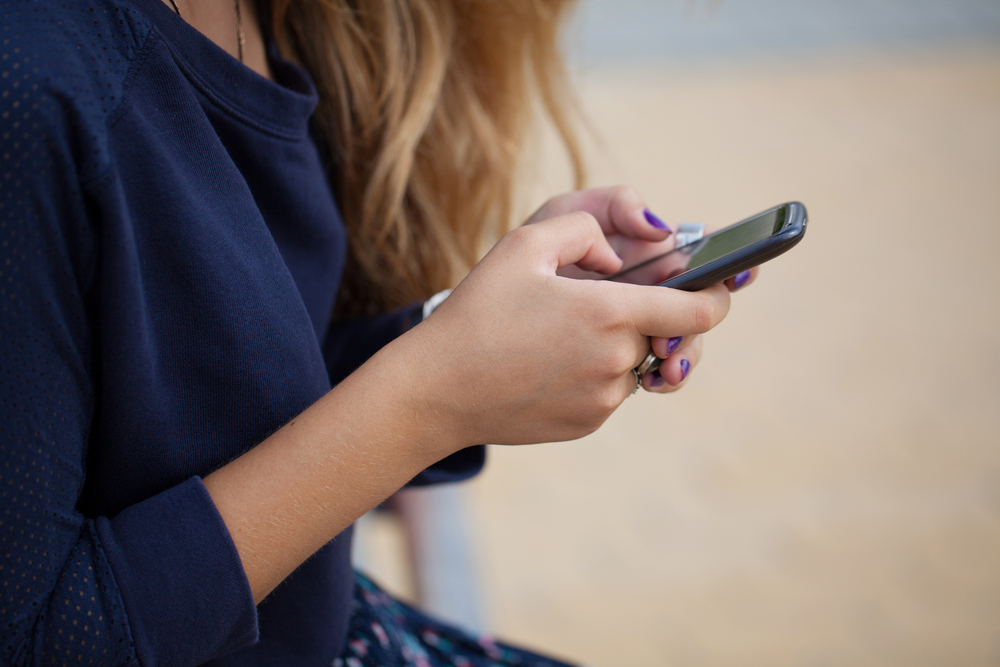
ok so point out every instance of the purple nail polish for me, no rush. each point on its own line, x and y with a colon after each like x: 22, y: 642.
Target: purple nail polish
x: 741, y: 279
x: 656, y: 380
x: 673, y: 344
x: 685, y: 367
x: 652, y: 219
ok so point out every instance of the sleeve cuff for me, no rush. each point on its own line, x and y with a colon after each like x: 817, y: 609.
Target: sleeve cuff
x: 350, y: 344
x: 460, y: 466
x: 181, y: 578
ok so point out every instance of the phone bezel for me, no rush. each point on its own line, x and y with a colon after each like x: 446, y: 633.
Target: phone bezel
x: 733, y: 263
x: 747, y: 257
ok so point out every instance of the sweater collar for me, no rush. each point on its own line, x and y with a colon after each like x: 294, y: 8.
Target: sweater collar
x: 282, y: 107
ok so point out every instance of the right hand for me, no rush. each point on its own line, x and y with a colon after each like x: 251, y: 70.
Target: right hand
x: 519, y: 354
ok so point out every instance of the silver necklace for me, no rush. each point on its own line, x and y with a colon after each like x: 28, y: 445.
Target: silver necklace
x: 241, y: 37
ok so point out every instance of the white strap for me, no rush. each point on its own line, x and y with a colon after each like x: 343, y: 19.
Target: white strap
x: 432, y: 303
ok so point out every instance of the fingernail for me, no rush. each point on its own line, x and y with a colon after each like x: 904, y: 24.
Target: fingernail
x: 656, y: 380
x: 652, y: 219
x: 673, y: 344
x: 685, y: 367
x: 741, y: 279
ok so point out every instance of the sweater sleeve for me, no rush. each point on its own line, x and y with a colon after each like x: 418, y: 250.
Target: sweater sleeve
x: 351, y: 343
x: 160, y: 583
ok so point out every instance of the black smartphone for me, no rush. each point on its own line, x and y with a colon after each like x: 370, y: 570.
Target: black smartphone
x: 720, y: 255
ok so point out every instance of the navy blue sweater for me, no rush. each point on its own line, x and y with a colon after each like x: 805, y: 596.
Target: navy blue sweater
x: 170, y: 254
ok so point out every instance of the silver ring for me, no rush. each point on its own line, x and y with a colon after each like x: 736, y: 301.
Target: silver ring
x: 688, y: 233
x: 649, y: 364
x: 638, y: 382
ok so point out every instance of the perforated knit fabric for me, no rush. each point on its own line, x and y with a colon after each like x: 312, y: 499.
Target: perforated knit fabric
x: 170, y: 254
x: 59, y: 601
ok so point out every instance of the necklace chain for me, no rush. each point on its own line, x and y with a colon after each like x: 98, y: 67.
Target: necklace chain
x: 241, y: 37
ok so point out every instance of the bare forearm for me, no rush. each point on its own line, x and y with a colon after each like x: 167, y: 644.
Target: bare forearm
x: 516, y: 355
x: 310, y: 480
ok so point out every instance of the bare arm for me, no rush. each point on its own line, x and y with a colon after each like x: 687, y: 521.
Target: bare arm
x: 516, y: 355
x: 311, y: 479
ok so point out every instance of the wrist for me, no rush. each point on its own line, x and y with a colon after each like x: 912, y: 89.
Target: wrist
x: 403, y: 389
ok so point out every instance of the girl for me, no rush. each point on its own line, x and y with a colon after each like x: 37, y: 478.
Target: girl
x: 218, y: 223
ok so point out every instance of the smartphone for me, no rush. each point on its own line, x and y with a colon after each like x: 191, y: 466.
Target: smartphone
x: 720, y: 255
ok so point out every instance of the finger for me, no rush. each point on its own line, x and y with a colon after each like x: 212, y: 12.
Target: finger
x: 578, y: 200
x: 664, y: 347
x: 618, y: 210
x: 675, y: 370
x: 666, y: 313
x: 625, y: 213
x: 574, y: 238
x: 621, y: 210
x: 741, y: 280
x: 678, y: 368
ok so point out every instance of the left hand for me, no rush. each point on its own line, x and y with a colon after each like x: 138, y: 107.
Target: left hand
x: 632, y: 231
x: 635, y: 234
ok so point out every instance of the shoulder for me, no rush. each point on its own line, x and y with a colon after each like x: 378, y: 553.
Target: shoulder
x: 64, y: 65
x: 64, y: 68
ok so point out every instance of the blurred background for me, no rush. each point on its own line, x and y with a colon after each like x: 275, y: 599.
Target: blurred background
x: 826, y: 489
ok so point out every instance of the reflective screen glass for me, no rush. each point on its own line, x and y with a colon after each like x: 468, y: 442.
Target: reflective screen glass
x: 713, y: 246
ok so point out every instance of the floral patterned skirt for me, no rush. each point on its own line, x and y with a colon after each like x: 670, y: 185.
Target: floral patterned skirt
x: 387, y: 633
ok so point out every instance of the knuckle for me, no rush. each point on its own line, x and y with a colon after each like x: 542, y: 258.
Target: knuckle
x: 583, y: 218
x: 620, y: 191
x: 620, y: 361
x: 613, y: 365
x: 591, y: 428
x: 624, y: 193
x: 607, y: 315
x: 581, y: 429
x: 520, y: 238
x: 607, y: 400
x: 520, y: 234
x: 705, y: 315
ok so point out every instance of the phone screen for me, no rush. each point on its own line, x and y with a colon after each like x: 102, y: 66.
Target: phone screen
x: 721, y: 243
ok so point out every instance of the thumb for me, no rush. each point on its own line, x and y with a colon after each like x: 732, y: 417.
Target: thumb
x: 574, y: 238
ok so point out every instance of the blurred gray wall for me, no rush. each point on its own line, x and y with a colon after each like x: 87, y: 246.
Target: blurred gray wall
x: 613, y: 32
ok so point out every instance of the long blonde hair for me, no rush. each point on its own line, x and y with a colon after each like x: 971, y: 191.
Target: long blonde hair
x: 425, y: 106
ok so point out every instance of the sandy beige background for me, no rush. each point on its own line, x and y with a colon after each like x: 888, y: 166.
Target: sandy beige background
x: 826, y: 491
